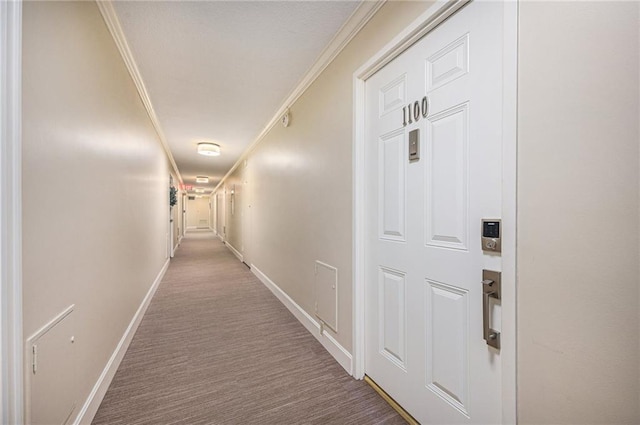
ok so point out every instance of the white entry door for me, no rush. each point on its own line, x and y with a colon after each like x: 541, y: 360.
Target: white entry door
x: 423, y: 257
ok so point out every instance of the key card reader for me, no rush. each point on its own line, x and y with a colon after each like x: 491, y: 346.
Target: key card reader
x: 491, y: 240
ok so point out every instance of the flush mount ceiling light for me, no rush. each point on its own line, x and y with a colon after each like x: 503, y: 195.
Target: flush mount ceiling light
x: 199, y: 190
x: 202, y: 179
x: 208, y: 149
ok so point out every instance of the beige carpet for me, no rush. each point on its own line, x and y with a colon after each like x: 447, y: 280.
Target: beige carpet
x: 216, y: 347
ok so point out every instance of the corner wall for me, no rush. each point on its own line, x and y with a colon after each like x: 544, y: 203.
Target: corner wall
x: 578, y: 235
x: 95, y: 188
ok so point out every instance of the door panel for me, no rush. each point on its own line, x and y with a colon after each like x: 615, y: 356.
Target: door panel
x: 447, y: 207
x: 423, y: 258
x: 392, y: 186
x: 448, y: 64
x: 393, y: 95
x: 447, y: 342
x: 393, y: 329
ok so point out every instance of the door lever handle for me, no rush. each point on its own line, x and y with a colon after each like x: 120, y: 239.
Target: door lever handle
x: 491, y: 288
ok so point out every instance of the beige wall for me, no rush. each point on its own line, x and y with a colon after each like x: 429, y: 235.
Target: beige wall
x: 197, y: 209
x: 301, y: 185
x: 578, y: 325
x: 95, y: 185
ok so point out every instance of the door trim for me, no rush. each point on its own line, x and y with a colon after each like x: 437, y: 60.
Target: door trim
x: 172, y: 246
x: 11, y: 348
x: 425, y: 23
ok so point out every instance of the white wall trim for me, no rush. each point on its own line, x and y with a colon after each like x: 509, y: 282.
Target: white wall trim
x: 358, y: 19
x: 91, y: 405
x: 235, y: 251
x: 509, y: 212
x: 426, y: 22
x: 11, y: 348
x: 342, y: 356
x: 113, y: 24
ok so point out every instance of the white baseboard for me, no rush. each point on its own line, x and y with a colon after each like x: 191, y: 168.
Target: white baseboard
x: 342, y: 356
x: 220, y: 237
x: 175, y: 248
x: 235, y: 251
x: 91, y: 405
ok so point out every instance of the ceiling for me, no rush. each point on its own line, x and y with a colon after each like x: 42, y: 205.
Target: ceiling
x: 218, y: 71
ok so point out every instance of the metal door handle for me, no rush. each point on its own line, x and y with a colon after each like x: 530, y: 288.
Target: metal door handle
x: 491, y: 288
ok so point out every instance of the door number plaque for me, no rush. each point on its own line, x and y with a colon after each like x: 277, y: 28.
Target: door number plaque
x: 413, y: 111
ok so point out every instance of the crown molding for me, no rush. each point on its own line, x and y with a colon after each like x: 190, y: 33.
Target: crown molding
x: 113, y: 24
x: 358, y: 19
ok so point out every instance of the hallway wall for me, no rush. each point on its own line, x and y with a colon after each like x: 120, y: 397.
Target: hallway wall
x: 95, y: 188
x: 578, y: 247
x: 198, y: 212
x: 301, y: 189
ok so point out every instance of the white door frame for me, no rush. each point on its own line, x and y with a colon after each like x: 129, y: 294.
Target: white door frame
x: 426, y: 22
x: 183, y: 212
x: 11, y: 348
x: 246, y: 214
x: 172, y: 248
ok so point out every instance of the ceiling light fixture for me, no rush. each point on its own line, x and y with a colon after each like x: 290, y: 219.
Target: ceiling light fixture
x: 202, y: 179
x: 208, y: 149
x: 199, y: 190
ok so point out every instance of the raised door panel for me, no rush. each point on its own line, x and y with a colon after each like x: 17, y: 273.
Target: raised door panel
x: 392, y: 316
x: 392, y: 186
x: 447, y: 344
x: 393, y: 95
x: 449, y: 63
x: 447, y: 209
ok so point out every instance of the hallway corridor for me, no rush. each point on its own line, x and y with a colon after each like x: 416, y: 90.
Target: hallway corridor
x: 216, y: 347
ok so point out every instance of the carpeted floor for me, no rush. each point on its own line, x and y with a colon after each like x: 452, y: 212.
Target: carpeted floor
x: 216, y: 347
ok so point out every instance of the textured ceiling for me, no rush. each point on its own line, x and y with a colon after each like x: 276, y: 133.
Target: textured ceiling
x: 218, y: 71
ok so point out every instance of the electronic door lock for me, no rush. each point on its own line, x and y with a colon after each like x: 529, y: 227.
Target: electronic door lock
x: 491, y: 235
